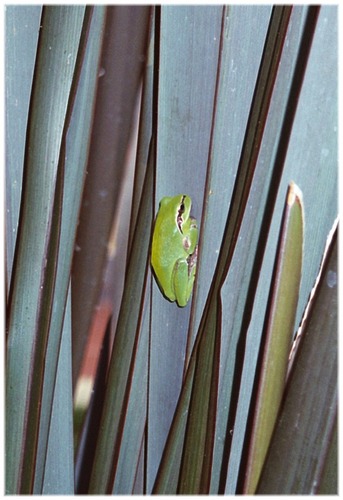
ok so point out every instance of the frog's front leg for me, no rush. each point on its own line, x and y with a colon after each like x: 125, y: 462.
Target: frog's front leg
x: 183, y: 278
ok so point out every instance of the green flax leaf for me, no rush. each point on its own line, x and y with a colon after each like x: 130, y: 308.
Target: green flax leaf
x: 283, y: 302
x: 303, y: 444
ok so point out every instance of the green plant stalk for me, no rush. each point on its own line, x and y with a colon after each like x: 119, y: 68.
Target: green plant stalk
x: 279, y: 334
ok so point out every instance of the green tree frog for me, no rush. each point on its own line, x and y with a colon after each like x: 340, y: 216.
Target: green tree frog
x: 174, y: 248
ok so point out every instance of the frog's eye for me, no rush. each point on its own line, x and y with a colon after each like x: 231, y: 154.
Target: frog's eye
x: 182, y: 209
x: 180, y: 213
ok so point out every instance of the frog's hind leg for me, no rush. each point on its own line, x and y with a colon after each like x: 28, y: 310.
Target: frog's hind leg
x: 183, y: 282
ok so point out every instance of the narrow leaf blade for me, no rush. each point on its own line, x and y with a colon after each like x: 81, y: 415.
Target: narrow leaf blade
x: 58, y: 47
x: 196, y: 463
x: 306, y: 424
x: 279, y: 332
x: 124, y: 347
x: 78, y: 135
